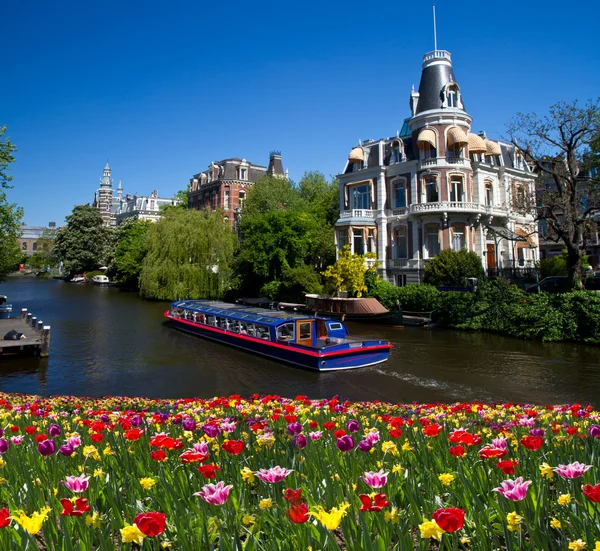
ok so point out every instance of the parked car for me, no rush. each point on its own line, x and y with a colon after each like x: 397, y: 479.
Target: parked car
x: 553, y: 284
x: 560, y: 284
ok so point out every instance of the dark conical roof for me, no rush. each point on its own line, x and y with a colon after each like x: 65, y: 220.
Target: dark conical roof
x: 437, y: 73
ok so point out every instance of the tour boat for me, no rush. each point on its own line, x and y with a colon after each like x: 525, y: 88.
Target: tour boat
x: 315, y: 343
x: 361, y: 310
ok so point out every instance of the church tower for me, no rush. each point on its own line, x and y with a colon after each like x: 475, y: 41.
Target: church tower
x: 104, y: 198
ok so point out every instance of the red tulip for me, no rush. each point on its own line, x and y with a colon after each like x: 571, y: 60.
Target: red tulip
x: 432, y: 430
x: 209, y: 471
x: 97, y: 437
x: 532, y: 442
x: 592, y: 492
x: 487, y: 452
x: 193, y: 457
x: 74, y: 510
x: 159, y: 455
x: 376, y: 504
x: 457, y: 451
x: 298, y: 513
x: 151, y: 524
x: 233, y: 447
x: 133, y: 434
x: 293, y: 496
x: 450, y: 519
x: 396, y: 433
x: 507, y: 466
x: 4, y: 517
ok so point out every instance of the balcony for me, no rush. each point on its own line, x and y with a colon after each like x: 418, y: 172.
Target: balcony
x: 499, y: 211
x: 429, y: 162
x: 407, y: 263
x: 357, y: 213
x: 461, y: 161
x: 446, y: 206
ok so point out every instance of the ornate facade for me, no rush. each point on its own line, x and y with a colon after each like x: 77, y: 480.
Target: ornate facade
x: 225, y: 184
x: 436, y: 186
x: 108, y: 204
x: 143, y: 207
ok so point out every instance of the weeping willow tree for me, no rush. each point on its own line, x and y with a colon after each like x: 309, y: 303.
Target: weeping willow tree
x: 189, y: 256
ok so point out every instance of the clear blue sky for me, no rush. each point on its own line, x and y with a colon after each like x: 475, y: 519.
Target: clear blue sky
x: 160, y: 89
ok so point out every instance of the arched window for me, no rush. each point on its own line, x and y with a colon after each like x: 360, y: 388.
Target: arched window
x: 400, y: 195
x: 432, y: 240
x: 401, y: 243
x: 431, y: 189
x: 242, y: 197
x: 396, y: 152
x: 457, y: 188
x: 489, y: 193
x: 360, y: 197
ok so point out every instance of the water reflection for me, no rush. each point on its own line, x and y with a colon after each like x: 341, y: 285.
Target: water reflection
x: 105, y: 342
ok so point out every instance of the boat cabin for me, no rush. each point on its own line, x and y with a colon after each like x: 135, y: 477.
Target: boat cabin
x: 255, y: 323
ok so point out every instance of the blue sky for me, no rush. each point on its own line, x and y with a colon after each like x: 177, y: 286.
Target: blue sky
x: 161, y: 89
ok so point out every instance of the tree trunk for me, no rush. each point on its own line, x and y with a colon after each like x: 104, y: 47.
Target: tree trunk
x: 574, y: 266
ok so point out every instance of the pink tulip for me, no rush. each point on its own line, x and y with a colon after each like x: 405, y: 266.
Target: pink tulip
x: 215, y: 494
x: 572, y: 470
x: 77, y: 483
x: 376, y: 480
x: 515, y: 490
x: 273, y: 475
x: 316, y: 435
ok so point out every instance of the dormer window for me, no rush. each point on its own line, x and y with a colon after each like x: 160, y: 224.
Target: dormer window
x: 451, y: 96
x: 396, y: 156
x: 243, y: 173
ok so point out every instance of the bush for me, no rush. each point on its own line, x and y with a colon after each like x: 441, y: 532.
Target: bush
x: 581, y: 315
x: 453, y: 268
x: 419, y: 298
x: 536, y: 318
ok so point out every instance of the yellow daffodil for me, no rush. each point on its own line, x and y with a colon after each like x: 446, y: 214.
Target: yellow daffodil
x: 514, y: 521
x: 147, y: 482
x: 564, y: 499
x: 248, y: 520
x: 93, y: 520
x: 446, y: 478
x: 430, y: 529
x: 546, y: 470
x: 578, y: 545
x: 248, y: 475
x: 132, y: 534
x: 406, y: 447
x: 555, y: 523
x: 392, y: 516
x: 265, y: 503
x: 98, y: 473
x: 389, y: 447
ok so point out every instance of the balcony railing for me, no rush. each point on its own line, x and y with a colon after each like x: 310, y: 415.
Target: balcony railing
x: 357, y: 213
x: 446, y: 206
x: 457, y: 161
x: 429, y: 162
x: 496, y: 210
x: 400, y: 211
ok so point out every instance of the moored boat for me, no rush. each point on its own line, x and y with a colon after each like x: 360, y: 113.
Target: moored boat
x: 77, y: 278
x: 5, y: 309
x: 315, y: 343
x: 361, y: 310
x: 100, y: 280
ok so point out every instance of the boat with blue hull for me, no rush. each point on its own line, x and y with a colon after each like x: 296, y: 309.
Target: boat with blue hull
x: 316, y: 343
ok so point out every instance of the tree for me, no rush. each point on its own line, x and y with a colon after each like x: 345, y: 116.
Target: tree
x: 44, y: 258
x: 130, y: 252
x: 453, y: 268
x: 180, y: 199
x: 349, y: 272
x: 84, y: 243
x: 560, y: 148
x: 10, y: 213
x: 189, y: 256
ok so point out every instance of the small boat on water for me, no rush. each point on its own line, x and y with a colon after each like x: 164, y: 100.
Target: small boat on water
x: 312, y: 342
x: 100, y: 280
x: 77, y: 278
x: 362, y: 310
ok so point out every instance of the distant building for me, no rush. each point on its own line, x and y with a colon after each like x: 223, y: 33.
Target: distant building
x: 437, y: 186
x: 142, y: 207
x: 30, y: 235
x: 225, y: 184
x: 108, y: 204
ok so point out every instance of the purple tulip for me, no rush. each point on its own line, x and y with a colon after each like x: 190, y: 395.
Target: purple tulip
x: 46, y: 447
x: 353, y: 425
x: 3, y: 445
x: 294, y: 428
x: 300, y: 441
x: 136, y: 421
x: 537, y: 432
x: 345, y: 443
x: 66, y: 450
x: 365, y: 446
x: 595, y: 431
x: 188, y: 424
x: 177, y: 420
x: 54, y: 430
x: 211, y: 430
x: 105, y: 418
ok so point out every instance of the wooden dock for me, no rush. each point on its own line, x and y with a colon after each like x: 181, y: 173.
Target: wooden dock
x: 37, y: 336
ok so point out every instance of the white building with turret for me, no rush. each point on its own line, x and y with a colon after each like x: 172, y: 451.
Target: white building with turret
x: 437, y: 185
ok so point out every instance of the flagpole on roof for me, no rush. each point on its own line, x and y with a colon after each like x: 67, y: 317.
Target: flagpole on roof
x: 434, y: 30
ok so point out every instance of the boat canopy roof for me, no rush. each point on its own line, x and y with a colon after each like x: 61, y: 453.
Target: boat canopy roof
x: 240, y: 312
x: 353, y: 305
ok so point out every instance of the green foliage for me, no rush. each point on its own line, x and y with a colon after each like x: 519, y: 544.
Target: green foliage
x: 557, y: 265
x: 452, y: 268
x: 286, y: 237
x: 84, y: 243
x: 189, y: 256
x: 131, y: 250
x: 419, y: 298
x: 181, y: 201
x: 10, y: 213
x: 348, y: 273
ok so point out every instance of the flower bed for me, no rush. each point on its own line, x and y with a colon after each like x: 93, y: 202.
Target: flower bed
x: 277, y: 474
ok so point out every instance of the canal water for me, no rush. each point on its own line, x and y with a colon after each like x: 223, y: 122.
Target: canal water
x: 108, y: 342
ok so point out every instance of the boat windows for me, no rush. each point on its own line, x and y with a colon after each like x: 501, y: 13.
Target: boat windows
x: 211, y: 320
x: 305, y: 330
x: 334, y: 326
x: 262, y: 332
x: 285, y: 332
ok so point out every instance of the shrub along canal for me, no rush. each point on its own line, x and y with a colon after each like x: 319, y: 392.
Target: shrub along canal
x: 106, y: 342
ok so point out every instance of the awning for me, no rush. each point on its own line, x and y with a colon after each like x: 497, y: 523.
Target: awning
x: 492, y: 148
x: 427, y: 136
x: 357, y: 154
x: 457, y: 135
x: 524, y: 234
x: 476, y: 144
